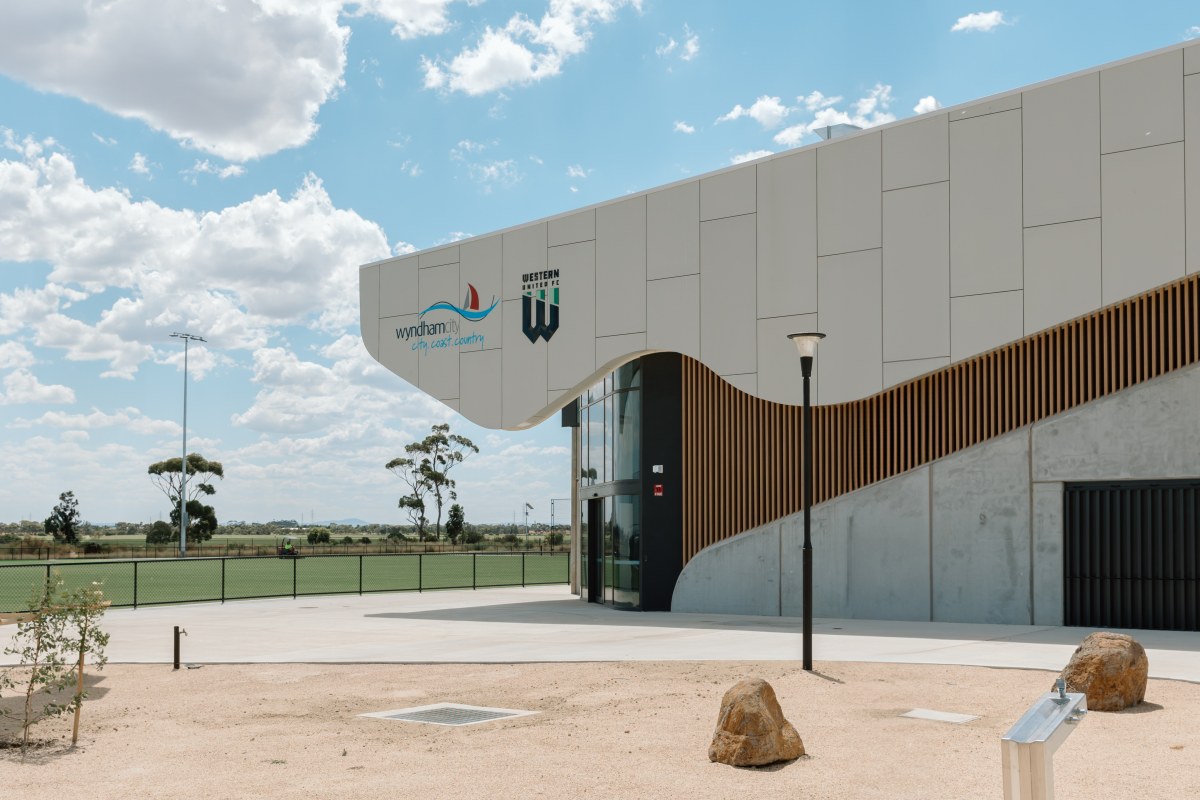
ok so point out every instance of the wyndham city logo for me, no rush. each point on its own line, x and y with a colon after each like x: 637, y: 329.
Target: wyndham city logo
x: 539, y: 304
x: 447, y: 332
x: 470, y: 307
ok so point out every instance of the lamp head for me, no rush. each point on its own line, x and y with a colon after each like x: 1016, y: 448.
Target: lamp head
x: 806, y: 343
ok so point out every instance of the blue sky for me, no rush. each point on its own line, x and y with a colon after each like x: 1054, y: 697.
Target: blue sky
x: 224, y: 166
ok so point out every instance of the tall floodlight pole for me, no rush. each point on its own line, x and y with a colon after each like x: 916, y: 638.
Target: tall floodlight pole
x: 806, y: 344
x: 527, y: 510
x: 183, y: 520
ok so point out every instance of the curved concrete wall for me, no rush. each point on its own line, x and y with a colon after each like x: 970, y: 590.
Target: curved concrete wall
x: 1066, y: 196
x: 976, y: 537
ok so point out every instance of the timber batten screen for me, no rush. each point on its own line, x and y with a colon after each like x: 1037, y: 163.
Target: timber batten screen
x: 741, y: 454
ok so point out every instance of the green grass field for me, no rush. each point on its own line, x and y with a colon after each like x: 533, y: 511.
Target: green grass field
x: 151, y: 581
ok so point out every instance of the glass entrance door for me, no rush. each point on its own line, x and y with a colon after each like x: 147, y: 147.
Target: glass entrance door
x: 611, y: 543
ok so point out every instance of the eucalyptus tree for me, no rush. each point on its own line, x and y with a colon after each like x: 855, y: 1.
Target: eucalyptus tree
x: 168, y: 477
x: 426, y: 471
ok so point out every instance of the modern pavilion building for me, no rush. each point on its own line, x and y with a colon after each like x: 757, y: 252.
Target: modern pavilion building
x: 1008, y: 398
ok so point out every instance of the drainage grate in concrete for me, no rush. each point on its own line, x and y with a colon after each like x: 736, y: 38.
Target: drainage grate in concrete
x: 939, y: 716
x: 449, y: 714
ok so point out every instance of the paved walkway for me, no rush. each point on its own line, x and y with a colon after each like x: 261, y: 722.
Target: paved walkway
x: 547, y: 623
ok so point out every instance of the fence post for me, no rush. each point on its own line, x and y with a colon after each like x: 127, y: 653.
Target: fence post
x: 523, y: 570
x: 135, y: 584
x: 222, y: 580
x: 360, y: 560
x: 420, y: 571
x: 47, y: 574
x: 294, y: 578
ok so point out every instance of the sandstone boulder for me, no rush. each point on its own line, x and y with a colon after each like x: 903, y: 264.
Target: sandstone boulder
x: 1110, y: 668
x: 751, y: 730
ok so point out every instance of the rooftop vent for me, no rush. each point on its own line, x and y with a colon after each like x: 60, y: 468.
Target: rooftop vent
x: 834, y: 131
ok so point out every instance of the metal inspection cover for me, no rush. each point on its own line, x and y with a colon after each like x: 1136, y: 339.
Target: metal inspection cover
x: 454, y: 714
x: 939, y: 716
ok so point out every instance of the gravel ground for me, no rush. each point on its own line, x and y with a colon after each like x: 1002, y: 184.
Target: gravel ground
x: 605, y: 730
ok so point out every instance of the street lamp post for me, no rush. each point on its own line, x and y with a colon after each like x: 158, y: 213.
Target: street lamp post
x: 183, y: 520
x: 806, y: 344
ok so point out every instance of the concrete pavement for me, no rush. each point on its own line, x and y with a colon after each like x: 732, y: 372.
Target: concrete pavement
x: 547, y: 623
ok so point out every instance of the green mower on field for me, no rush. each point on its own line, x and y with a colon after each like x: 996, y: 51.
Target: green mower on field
x: 288, y: 548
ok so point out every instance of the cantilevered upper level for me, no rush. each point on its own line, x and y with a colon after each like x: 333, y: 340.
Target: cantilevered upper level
x: 913, y: 245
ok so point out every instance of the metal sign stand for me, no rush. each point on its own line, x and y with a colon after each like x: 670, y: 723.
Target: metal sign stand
x: 1027, y: 750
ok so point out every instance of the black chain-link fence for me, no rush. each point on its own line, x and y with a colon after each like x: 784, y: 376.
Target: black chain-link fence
x: 99, y: 548
x: 183, y: 580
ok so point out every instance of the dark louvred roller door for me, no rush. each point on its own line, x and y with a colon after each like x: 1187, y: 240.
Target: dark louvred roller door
x: 1132, y: 555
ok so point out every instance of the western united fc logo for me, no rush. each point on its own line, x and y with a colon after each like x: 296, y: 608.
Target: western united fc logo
x: 539, y: 304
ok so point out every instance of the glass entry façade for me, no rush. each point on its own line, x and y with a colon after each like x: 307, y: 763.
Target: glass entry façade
x: 629, y: 456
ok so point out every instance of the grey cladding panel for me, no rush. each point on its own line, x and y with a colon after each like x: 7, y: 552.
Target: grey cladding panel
x: 398, y: 287
x: 436, y: 258
x: 728, y: 194
x: 1062, y: 151
x: 848, y: 187
x: 916, y: 153
x: 578, y: 227
x: 850, y: 359
x: 787, y: 235
x: 524, y: 252
x: 916, y: 272
x: 673, y: 315
x: 572, y: 349
x: 368, y: 308
x: 1143, y: 236
x: 1062, y: 272
x: 673, y: 231
x: 621, y: 267
x: 1142, y: 103
x: 727, y: 295
x: 985, y: 193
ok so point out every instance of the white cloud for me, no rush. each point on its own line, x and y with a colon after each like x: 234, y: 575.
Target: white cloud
x: 465, y: 148
x: 28, y: 306
x: 494, y: 173
x: 411, y: 168
x: 104, y: 140
x: 1192, y: 32
x: 238, y: 78
x: 411, y: 18
x: 537, y: 160
x: 686, y: 51
x: 14, y: 354
x: 980, y: 21
x: 683, y: 127
x: 867, y: 111
x: 267, y: 262
x: 576, y: 171
x: 767, y: 111
x: 753, y: 155
x: 139, y: 164
x: 523, y: 51
x: 206, y: 167
x: 128, y: 419
x: 22, y: 386
x: 815, y: 101
x: 691, y: 44
x: 926, y: 104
